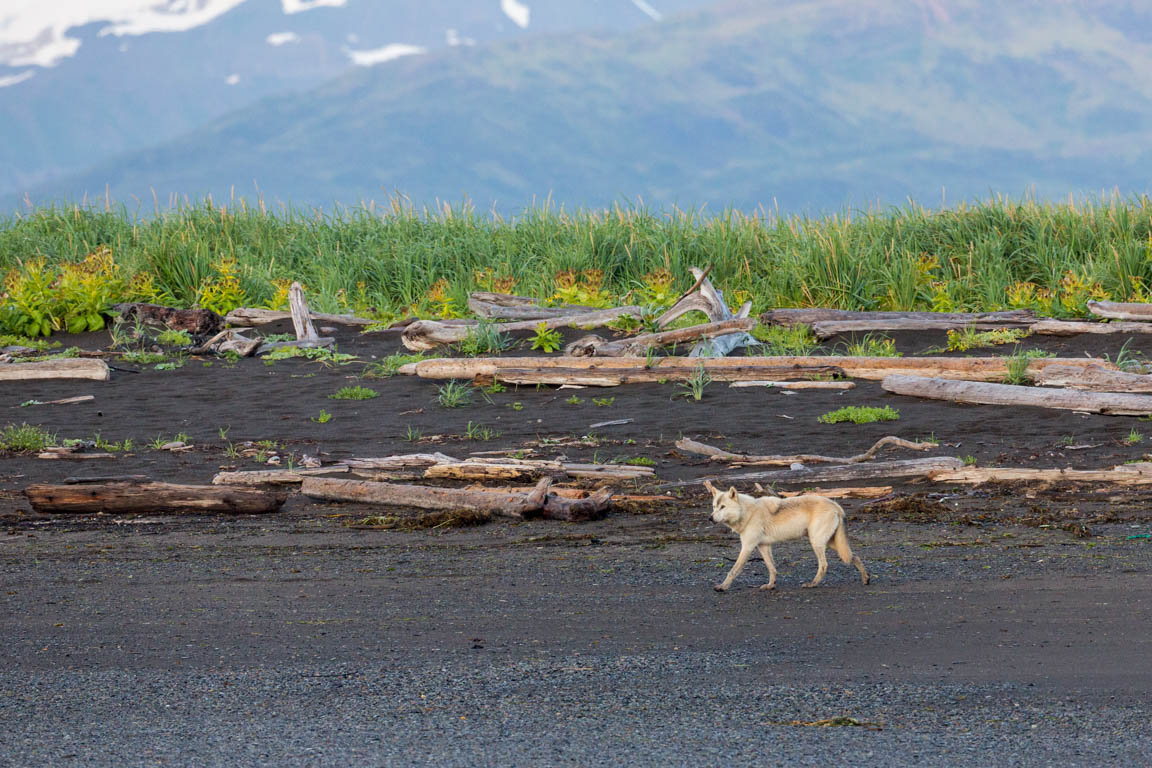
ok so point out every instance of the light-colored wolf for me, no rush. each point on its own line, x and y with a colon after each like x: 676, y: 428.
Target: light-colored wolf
x: 762, y: 522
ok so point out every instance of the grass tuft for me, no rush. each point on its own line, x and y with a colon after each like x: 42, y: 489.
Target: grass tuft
x: 860, y: 415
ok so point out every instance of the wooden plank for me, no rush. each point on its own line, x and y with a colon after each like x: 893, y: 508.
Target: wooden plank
x: 982, y: 393
x: 68, y: 368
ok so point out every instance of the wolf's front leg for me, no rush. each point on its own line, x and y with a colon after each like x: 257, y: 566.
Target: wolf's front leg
x: 766, y: 553
x: 741, y: 559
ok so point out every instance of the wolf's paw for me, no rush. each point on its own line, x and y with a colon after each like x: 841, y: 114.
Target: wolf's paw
x: 767, y: 587
x: 811, y: 584
x: 865, y: 580
x: 719, y: 587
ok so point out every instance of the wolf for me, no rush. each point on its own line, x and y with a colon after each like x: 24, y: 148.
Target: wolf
x: 762, y: 522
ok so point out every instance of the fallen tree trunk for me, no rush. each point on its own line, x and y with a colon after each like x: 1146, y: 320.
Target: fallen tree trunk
x: 504, y: 470
x: 424, y: 335
x: 1006, y: 318
x: 795, y: 384
x: 596, y: 346
x: 826, y: 329
x: 197, y: 322
x: 857, y: 492
x: 275, y: 476
x: 319, y: 341
x: 250, y: 317
x: 505, y: 306
x: 718, y: 454
x: 402, y: 461
x: 150, y: 498
x: 228, y: 340
x: 1075, y: 327
x: 594, y: 507
x: 834, y: 474
x: 703, y: 297
x: 1119, y: 310
x: 610, y: 377
x: 1125, y: 474
x: 1092, y: 378
x: 69, y: 368
x: 965, y: 368
x: 980, y: 393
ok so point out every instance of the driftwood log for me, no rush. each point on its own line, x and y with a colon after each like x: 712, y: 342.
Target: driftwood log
x: 703, y: 297
x: 907, y: 468
x: 65, y: 401
x: 596, y: 346
x: 69, y: 368
x: 275, y: 476
x: 505, y: 306
x: 424, y: 335
x: 226, y: 341
x: 301, y: 319
x: 150, y: 498
x: 983, y: 393
x: 608, y: 376
x: 826, y: 329
x: 1092, y: 378
x: 250, y: 317
x: 1125, y: 474
x: 1076, y: 327
x: 1119, y: 310
x: 795, y: 384
x: 718, y: 454
x: 197, y: 322
x: 536, y: 503
x: 850, y: 492
x: 875, y: 368
x: 1019, y: 318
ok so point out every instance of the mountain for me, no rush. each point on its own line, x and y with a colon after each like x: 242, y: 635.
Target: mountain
x: 810, y: 105
x: 82, y: 81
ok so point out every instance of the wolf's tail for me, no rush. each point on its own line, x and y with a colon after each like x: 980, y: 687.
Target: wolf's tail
x: 844, y: 550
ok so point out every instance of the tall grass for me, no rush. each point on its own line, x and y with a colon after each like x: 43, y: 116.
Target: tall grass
x: 991, y: 255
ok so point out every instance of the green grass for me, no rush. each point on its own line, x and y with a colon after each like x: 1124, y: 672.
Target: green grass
x: 964, y: 339
x: 482, y: 340
x: 991, y: 255
x: 870, y: 345
x: 354, y: 393
x: 1017, y: 364
x: 143, y: 358
x: 860, y: 415
x: 391, y: 365
x: 25, y: 438
x: 454, y: 394
x: 781, y: 340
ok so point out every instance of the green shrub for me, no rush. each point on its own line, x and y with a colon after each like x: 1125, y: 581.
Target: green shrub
x: 860, y: 415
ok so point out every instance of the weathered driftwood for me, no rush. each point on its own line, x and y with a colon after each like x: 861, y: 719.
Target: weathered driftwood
x: 983, y: 393
x: 593, y: 507
x: 608, y: 376
x: 428, y: 334
x: 228, y: 340
x: 1092, y: 378
x: 826, y: 329
x: 908, y: 468
x: 718, y: 454
x: 150, y: 498
x: 197, y: 322
x: 275, y: 476
x: 68, y: 368
x: 596, y: 346
x: 1119, y: 310
x: 251, y: 317
x: 796, y: 384
x: 1006, y: 318
x: 319, y: 341
x: 107, y: 479
x: 876, y: 368
x: 1125, y: 474
x: 301, y: 319
x: 505, y: 306
x: 403, y: 461
x: 73, y: 456
x: 705, y: 298
x: 64, y: 401
x: 1075, y: 327
x: 850, y: 492
x: 494, y: 470
x: 607, y: 471
x: 427, y: 497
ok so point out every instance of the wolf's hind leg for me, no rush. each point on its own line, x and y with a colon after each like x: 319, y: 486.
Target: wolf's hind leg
x: 766, y: 553
x: 821, y: 559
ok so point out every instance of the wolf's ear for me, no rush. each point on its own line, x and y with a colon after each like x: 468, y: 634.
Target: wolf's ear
x: 732, y: 493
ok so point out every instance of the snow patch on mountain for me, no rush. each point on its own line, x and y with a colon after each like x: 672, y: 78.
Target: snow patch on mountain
x: 520, y: 13
x: 374, y: 56
x: 277, y: 39
x: 299, y: 6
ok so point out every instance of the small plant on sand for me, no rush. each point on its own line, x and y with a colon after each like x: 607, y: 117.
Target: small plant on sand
x: 143, y: 358
x: 603, y: 402
x: 323, y: 418
x: 354, y: 393
x: 494, y: 388
x: 635, y: 461
x: 1134, y: 437
x: 171, y: 365
x: 546, y: 339
x: 778, y: 340
x: 872, y: 346
x: 483, y: 339
x: 25, y: 438
x: 1017, y: 363
x: 413, y: 434
x: 574, y: 400
x: 391, y: 365
x: 454, y: 394
x: 171, y: 337
x: 696, y: 384
x: 480, y: 432
x: 964, y: 339
x: 860, y: 415
x: 969, y: 460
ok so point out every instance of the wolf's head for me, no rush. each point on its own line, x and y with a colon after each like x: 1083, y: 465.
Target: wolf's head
x: 726, y: 506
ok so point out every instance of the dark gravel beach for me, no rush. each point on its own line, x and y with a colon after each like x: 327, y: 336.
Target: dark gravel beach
x: 1004, y: 625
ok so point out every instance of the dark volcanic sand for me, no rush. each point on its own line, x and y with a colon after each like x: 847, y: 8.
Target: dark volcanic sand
x: 990, y: 636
